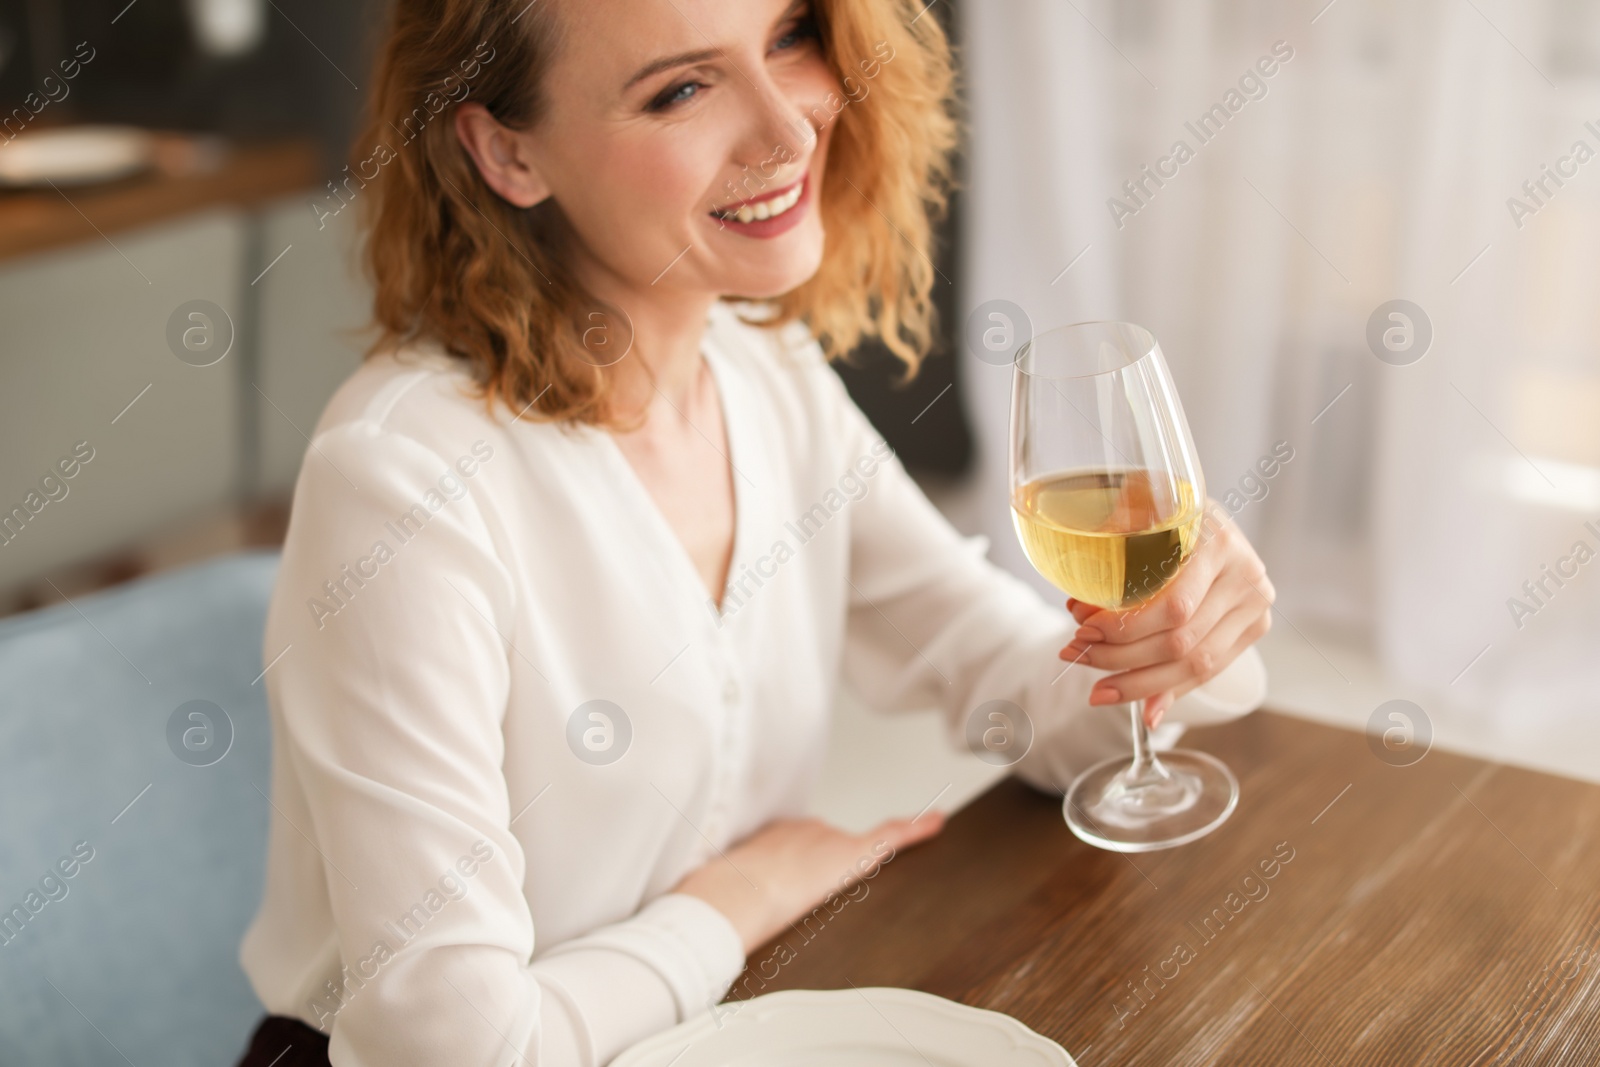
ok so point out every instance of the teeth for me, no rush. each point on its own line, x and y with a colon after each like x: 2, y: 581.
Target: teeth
x: 766, y: 209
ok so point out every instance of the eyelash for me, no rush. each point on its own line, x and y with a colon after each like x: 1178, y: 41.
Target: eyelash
x: 670, y: 96
x: 804, y: 28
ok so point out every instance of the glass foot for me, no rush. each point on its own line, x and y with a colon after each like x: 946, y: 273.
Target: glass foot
x: 1183, y: 796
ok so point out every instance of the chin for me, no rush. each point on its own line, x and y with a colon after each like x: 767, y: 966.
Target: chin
x: 771, y: 277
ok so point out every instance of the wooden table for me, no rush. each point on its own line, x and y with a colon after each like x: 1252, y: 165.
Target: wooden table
x: 1442, y: 913
x: 246, y: 175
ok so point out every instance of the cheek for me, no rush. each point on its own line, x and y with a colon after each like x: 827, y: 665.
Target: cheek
x: 623, y: 194
x: 815, y: 80
x: 819, y: 158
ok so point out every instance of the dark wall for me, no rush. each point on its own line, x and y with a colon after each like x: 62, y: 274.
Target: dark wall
x: 924, y: 420
x: 147, y: 68
x: 305, y: 77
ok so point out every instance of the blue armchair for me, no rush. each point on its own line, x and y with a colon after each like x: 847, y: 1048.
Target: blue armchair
x: 131, y: 856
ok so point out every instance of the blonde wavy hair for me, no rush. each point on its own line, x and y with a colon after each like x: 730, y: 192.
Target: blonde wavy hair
x: 454, y: 263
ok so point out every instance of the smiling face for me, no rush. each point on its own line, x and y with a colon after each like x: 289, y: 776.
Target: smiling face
x: 685, y: 142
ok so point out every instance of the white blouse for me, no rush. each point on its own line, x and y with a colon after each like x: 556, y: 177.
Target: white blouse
x: 507, y: 719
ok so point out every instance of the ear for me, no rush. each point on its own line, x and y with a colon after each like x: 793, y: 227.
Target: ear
x: 503, y: 156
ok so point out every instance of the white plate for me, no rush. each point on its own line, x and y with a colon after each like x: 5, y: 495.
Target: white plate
x: 847, y: 1028
x: 75, y: 155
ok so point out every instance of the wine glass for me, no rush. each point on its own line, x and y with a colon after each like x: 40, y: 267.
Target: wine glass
x: 1108, y: 498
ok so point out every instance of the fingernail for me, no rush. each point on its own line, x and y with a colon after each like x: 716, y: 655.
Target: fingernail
x: 1087, y: 634
x: 1156, y: 717
x: 1104, y: 695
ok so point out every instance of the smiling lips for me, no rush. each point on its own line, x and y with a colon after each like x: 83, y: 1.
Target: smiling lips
x: 769, y: 214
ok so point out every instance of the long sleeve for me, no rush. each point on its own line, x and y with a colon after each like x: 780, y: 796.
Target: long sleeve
x: 933, y: 624
x: 454, y: 873
x: 399, y: 619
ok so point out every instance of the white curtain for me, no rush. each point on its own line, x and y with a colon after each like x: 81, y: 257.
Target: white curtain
x: 1374, y: 164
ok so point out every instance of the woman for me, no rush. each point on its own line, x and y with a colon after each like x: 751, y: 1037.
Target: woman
x: 578, y: 556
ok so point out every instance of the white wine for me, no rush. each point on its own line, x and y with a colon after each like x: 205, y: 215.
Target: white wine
x: 1108, y: 538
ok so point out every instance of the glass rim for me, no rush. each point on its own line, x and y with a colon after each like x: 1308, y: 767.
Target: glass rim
x: 1027, y: 347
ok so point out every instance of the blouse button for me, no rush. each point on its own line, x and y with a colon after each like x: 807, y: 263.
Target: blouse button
x: 730, y: 691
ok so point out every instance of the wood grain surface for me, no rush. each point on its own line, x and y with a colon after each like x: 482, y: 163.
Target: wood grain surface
x: 1446, y: 912
x: 247, y: 176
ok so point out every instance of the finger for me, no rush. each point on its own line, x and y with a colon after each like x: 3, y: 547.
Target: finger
x: 1248, y: 638
x: 1080, y: 610
x: 901, y: 833
x: 1155, y: 708
x: 1173, y: 606
x: 1204, y: 662
x: 1241, y: 628
x: 879, y: 846
x: 1167, y: 645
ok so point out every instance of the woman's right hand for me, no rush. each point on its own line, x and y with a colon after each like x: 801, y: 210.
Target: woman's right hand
x: 789, y: 866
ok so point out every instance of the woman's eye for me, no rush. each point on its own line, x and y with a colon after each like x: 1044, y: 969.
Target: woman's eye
x: 800, y: 31
x: 677, y: 94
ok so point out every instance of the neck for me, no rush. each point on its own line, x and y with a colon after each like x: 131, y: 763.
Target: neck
x: 666, y: 350
x: 668, y: 325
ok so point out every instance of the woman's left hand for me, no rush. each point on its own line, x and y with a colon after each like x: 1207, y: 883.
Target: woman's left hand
x: 1219, y: 605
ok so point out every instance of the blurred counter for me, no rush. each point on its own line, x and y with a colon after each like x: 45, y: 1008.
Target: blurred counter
x: 192, y: 174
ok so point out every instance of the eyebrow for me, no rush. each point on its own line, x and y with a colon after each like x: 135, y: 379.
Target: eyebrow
x: 684, y: 59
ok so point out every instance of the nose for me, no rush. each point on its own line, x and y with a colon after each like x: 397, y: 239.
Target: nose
x: 779, y: 132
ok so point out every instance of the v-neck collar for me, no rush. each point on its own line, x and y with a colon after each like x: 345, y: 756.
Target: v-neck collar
x: 723, y: 376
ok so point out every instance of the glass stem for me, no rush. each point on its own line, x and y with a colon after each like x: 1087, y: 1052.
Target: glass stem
x: 1145, y: 767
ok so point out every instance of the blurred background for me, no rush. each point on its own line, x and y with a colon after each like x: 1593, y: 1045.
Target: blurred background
x: 1364, y: 232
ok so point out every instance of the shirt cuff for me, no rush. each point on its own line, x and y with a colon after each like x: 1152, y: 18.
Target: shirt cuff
x: 689, y: 943
x: 1239, y: 689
